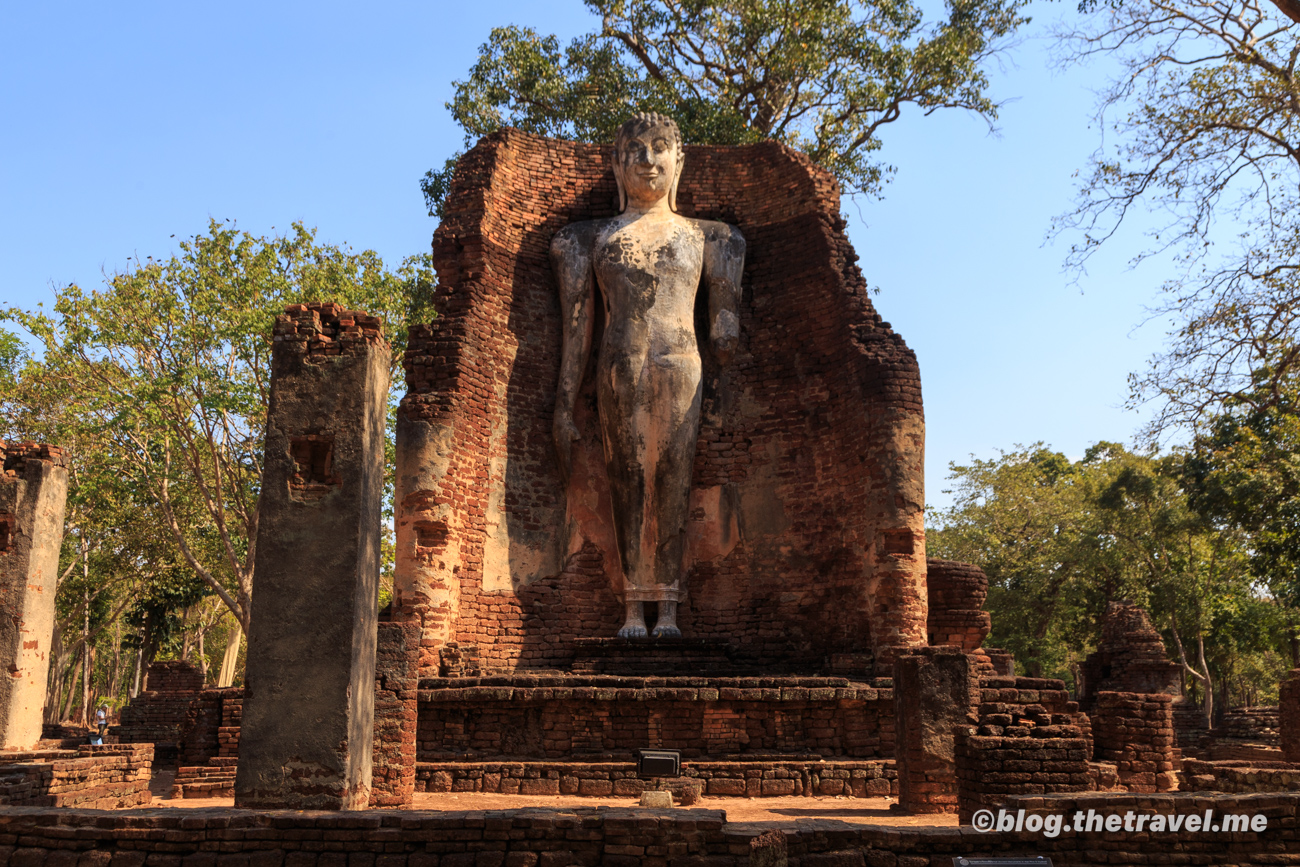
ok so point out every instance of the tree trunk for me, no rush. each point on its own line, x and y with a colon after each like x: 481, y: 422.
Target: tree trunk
x: 231, y: 659
x: 139, y: 670
x: 87, y: 659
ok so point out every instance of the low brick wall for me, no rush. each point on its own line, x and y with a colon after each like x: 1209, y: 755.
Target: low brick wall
x: 872, y: 779
x: 1238, y: 777
x: 100, y: 777
x: 1018, y: 750
x: 588, y: 837
x: 540, y: 717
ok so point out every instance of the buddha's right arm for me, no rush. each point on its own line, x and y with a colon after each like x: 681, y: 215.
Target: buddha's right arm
x: 571, y: 262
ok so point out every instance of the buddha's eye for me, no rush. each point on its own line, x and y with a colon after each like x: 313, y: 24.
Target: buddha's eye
x: 660, y: 145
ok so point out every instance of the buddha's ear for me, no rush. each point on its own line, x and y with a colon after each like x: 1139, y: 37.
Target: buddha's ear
x: 677, y: 177
x: 618, y: 179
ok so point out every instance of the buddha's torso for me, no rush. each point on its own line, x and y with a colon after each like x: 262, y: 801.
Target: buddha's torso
x: 648, y: 269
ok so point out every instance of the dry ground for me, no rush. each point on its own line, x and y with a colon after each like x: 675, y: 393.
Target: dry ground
x: 766, y: 811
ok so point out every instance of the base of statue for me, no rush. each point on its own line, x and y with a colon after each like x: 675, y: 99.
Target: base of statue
x: 654, y: 657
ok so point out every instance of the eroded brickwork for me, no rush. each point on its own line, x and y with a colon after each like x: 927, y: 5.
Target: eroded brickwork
x: 1018, y: 749
x: 161, y: 712
x: 806, y: 531
x: 106, y: 777
x: 751, y: 779
x: 936, y: 690
x: 1135, y: 731
x: 1130, y: 658
x: 397, y: 681
x: 560, y: 718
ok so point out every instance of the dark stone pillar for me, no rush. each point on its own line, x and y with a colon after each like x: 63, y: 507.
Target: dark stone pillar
x: 1288, y: 716
x: 33, y: 493
x: 308, y: 719
x: 935, y: 691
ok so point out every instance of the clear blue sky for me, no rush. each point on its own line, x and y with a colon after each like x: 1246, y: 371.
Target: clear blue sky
x: 126, y: 124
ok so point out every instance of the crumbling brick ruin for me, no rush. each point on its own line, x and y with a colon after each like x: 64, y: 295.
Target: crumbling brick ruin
x: 160, y: 712
x: 1130, y: 658
x: 33, y: 494
x: 956, y: 593
x: 1018, y: 749
x: 1136, y: 732
x: 309, y: 696
x: 936, y: 690
x: 107, y: 777
x: 806, y: 536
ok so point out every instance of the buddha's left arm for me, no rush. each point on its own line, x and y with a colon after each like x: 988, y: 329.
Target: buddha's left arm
x: 724, y: 263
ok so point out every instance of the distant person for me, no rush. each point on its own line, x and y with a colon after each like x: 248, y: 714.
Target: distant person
x: 101, y: 721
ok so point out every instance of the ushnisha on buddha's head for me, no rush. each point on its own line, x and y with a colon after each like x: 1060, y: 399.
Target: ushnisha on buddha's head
x: 648, y: 159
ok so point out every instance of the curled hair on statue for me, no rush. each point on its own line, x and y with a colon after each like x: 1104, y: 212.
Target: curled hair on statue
x: 635, y: 125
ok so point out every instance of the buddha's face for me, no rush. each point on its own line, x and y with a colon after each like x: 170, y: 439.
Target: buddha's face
x: 649, y: 164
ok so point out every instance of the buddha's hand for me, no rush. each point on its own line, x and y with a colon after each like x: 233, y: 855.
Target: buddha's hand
x: 725, y: 335
x: 566, y: 434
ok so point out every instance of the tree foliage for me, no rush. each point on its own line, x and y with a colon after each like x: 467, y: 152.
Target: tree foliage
x: 1206, y: 117
x: 823, y: 76
x: 1060, y: 539
x: 158, y: 384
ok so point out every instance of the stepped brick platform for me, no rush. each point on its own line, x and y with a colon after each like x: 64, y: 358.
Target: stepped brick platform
x: 216, y: 779
x: 749, y: 778
x: 159, y: 714
x: 654, y: 657
x: 99, y: 777
x: 568, y: 717
x: 1238, y: 777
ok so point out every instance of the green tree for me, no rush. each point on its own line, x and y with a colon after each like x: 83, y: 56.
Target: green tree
x: 1244, y: 472
x: 161, y: 380
x: 1060, y: 539
x: 823, y: 76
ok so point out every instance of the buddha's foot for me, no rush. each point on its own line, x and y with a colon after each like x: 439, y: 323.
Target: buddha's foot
x: 667, y: 630
x: 633, y: 630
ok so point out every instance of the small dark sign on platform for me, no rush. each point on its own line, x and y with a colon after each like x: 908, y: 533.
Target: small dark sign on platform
x: 1037, y: 861
x: 658, y: 763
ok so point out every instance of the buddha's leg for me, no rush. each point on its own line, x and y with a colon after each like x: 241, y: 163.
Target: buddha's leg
x: 617, y: 381
x: 678, y: 390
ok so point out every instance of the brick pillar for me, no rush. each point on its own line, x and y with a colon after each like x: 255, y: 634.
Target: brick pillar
x: 308, y: 713
x: 397, y: 683
x: 33, y: 492
x: 935, y: 691
x: 1136, y: 732
x: 1288, y: 716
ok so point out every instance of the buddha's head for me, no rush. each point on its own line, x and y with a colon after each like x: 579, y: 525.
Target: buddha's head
x: 648, y: 159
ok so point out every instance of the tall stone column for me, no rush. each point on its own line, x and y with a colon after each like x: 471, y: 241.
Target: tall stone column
x: 308, y: 722
x: 33, y: 493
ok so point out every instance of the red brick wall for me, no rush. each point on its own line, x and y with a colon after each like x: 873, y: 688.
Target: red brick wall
x: 1136, y: 732
x: 613, y: 838
x: 811, y: 448
x: 726, y: 717
x: 397, y: 659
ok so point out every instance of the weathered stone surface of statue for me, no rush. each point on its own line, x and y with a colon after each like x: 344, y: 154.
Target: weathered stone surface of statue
x: 646, y: 264
x: 33, y: 493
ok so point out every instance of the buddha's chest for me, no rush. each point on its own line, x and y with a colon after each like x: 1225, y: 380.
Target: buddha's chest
x: 640, y: 258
